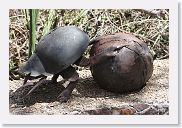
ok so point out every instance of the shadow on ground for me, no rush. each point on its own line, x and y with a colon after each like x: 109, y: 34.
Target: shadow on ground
x: 89, y: 88
x: 46, y: 92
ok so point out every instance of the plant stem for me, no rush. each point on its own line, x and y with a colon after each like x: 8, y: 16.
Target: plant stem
x: 49, y: 21
x: 33, y: 17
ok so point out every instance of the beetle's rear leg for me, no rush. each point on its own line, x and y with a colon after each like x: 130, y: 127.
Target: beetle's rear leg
x: 83, y: 62
x: 28, y: 77
x: 108, y: 53
x: 41, y: 81
x: 37, y: 84
x: 72, y: 76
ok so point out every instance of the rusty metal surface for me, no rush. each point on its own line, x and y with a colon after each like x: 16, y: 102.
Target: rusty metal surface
x: 120, y: 62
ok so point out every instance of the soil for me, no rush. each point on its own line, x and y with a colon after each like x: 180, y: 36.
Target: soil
x: 88, y: 98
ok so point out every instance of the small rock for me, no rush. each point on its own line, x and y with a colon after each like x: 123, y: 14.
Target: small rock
x: 140, y: 106
x: 148, y: 111
x: 75, y: 113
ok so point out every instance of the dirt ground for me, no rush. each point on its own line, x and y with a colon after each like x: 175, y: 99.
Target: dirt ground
x: 88, y: 98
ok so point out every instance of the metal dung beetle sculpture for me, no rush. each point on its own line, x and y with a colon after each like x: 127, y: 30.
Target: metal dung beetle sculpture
x: 120, y: 62
x: 54, y: 54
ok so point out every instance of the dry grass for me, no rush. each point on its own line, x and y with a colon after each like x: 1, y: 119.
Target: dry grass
x: 150, y: 26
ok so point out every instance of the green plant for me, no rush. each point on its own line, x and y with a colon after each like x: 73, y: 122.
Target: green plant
x: 49, y: 21
x: 32, y: 30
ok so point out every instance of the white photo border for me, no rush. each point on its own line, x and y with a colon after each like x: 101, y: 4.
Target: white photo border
x: 172, y: 118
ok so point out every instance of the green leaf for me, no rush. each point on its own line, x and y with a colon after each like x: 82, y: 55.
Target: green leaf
x: 33, y: 20
x: 49, y: 21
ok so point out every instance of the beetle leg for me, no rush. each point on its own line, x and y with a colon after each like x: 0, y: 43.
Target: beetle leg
x: 83, y: 62
x: 54, y: 78
x: 72, y: 76
x: 27, y: 77
x: 37, y: 85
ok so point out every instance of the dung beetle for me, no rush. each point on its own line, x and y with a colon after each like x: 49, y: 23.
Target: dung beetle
x: 54, y: 55
x: 120, y: 62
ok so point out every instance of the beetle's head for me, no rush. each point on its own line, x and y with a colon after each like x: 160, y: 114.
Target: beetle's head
x: 33, y: 67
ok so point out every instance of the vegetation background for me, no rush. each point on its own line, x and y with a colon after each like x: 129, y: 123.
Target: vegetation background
x: 26, y: 27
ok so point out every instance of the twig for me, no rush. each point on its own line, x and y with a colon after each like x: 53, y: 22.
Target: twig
x: 146, y: 20
x: 164, y: 57
x: 127, y: 31
x: 155, y: 13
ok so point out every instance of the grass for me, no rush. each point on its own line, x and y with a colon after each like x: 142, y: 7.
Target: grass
x: 32, y: 30
x: 150, y: 26
x: 49, y: 21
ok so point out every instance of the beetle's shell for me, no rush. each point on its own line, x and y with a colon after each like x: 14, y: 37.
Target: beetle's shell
x: 128, y: 70
x: 56, y: 51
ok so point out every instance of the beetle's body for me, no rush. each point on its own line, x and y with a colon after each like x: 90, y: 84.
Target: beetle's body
x: 56, y: 51
x: 54, y: 54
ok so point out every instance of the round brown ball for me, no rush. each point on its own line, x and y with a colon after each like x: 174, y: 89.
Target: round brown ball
x: 120, y: 62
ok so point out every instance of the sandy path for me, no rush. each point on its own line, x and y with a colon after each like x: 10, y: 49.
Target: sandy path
x: 88, y: 98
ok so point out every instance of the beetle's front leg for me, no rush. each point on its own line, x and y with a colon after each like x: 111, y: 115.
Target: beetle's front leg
x: 72, y: 76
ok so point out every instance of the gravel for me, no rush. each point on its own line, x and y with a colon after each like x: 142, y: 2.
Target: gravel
x: 88, y: 98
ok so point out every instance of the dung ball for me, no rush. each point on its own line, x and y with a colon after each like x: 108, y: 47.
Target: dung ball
x: 120, y: 62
